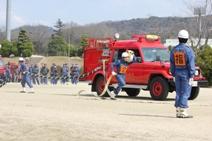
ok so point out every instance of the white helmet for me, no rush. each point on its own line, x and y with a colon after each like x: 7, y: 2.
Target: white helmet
x: 21, y: 59
x: 131, y: 55
x: 124, y: 54
x: 130, y: 52
x: 183, y: 34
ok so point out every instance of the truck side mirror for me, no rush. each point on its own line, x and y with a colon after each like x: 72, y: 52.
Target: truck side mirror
x: 138, y: 59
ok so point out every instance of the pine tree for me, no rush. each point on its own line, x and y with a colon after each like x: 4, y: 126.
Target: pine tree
x: 57, y: 46
x: 58, y: 27
x: 24, y: 44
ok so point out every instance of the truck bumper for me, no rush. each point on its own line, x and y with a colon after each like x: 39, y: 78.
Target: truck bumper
x: 203, y: 83
x: 200, y: 83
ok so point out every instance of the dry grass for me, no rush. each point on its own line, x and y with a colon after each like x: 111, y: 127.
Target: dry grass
x: 58, y: 60
x: 14, y: 60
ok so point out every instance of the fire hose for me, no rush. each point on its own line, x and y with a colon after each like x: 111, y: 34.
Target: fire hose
x: 107, y: 82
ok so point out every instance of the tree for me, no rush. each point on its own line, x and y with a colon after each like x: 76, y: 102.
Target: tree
x: 75, y: 50
x: 40, y: 36
x: 58, y: 27
x: 84, y: 41
x: 202, y: 27
x: 24, y: 44
x: 14, y: 49
x: 204, y: 60
x: 6, y: 48
x: 68, y: 32
x: 57, y: 46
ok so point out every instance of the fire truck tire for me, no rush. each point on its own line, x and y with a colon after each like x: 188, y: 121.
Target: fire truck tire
x: 132, y: 92
x: 99, y: 84
x: 159, y: 88
x: 101, y: 87
x: 194, y: 93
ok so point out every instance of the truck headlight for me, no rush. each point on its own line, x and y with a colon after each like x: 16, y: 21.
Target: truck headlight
x: 196, y: 72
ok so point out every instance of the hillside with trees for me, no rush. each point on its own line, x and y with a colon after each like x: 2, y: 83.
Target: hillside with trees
x: 68, y: 39
x: 72, y: 32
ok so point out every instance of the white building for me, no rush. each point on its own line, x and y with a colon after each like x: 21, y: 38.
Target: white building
x: 174, y: 42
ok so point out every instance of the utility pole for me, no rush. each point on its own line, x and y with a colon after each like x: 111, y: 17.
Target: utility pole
x: 8, y: 20
x: 200, y: 12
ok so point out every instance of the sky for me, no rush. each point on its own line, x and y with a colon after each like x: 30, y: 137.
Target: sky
x: 46, y: 12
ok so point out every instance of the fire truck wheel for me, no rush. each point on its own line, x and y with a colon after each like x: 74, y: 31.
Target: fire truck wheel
x: 159, y: 88
x: 100, y: 85
x: 194, y: 93
x: 132, y: 92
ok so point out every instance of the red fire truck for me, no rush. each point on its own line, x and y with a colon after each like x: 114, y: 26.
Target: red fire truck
x: 150, y: 72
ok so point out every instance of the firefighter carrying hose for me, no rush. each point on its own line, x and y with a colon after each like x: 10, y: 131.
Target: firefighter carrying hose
x: 182, y: 61
x: 121, y: 67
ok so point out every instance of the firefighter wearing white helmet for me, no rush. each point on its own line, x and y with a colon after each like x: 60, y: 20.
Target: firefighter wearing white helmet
x: 182, y: 63
x: 21, y: 59
x: 119, y: 69
x: 25, y: 75
x: 125, y: 56
x: 183, y: 34
x: 132, y: 57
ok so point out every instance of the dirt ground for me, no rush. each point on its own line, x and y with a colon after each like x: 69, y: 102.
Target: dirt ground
x: 57, y: 113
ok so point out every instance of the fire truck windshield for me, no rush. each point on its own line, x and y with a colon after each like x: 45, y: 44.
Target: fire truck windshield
x: 155, y: 54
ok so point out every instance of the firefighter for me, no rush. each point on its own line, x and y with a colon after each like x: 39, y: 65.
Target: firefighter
x: 182, y: 61
x: 30, y: 72
x: 41, y: 75
x: 16, y: 75
x: 44, y: 74
x: 132, y: 57
x: 121, y: 67
x: 71, y: 72
x: 13, y: 68
x: 59, y: 73
x: 65, y: 71
x: 35, y: 74
x: 53, y: 74
x: 25, y: 77
x: 8, y: 73
x: 75, y: 74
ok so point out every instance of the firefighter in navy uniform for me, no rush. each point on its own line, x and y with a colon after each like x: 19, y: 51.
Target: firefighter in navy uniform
x: 64, y: 74
x: 35, y: 74
x: 75, y: 74
x: 182, y: 61
x: 121, y: 67
x: 25, y: 76
x: 44, y: 74
x: 53, y: 74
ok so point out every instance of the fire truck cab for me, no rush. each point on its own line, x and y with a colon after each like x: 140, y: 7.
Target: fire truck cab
x: 150, y: 72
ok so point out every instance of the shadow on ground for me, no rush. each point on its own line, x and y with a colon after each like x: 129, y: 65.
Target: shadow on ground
x: 145, y: 115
